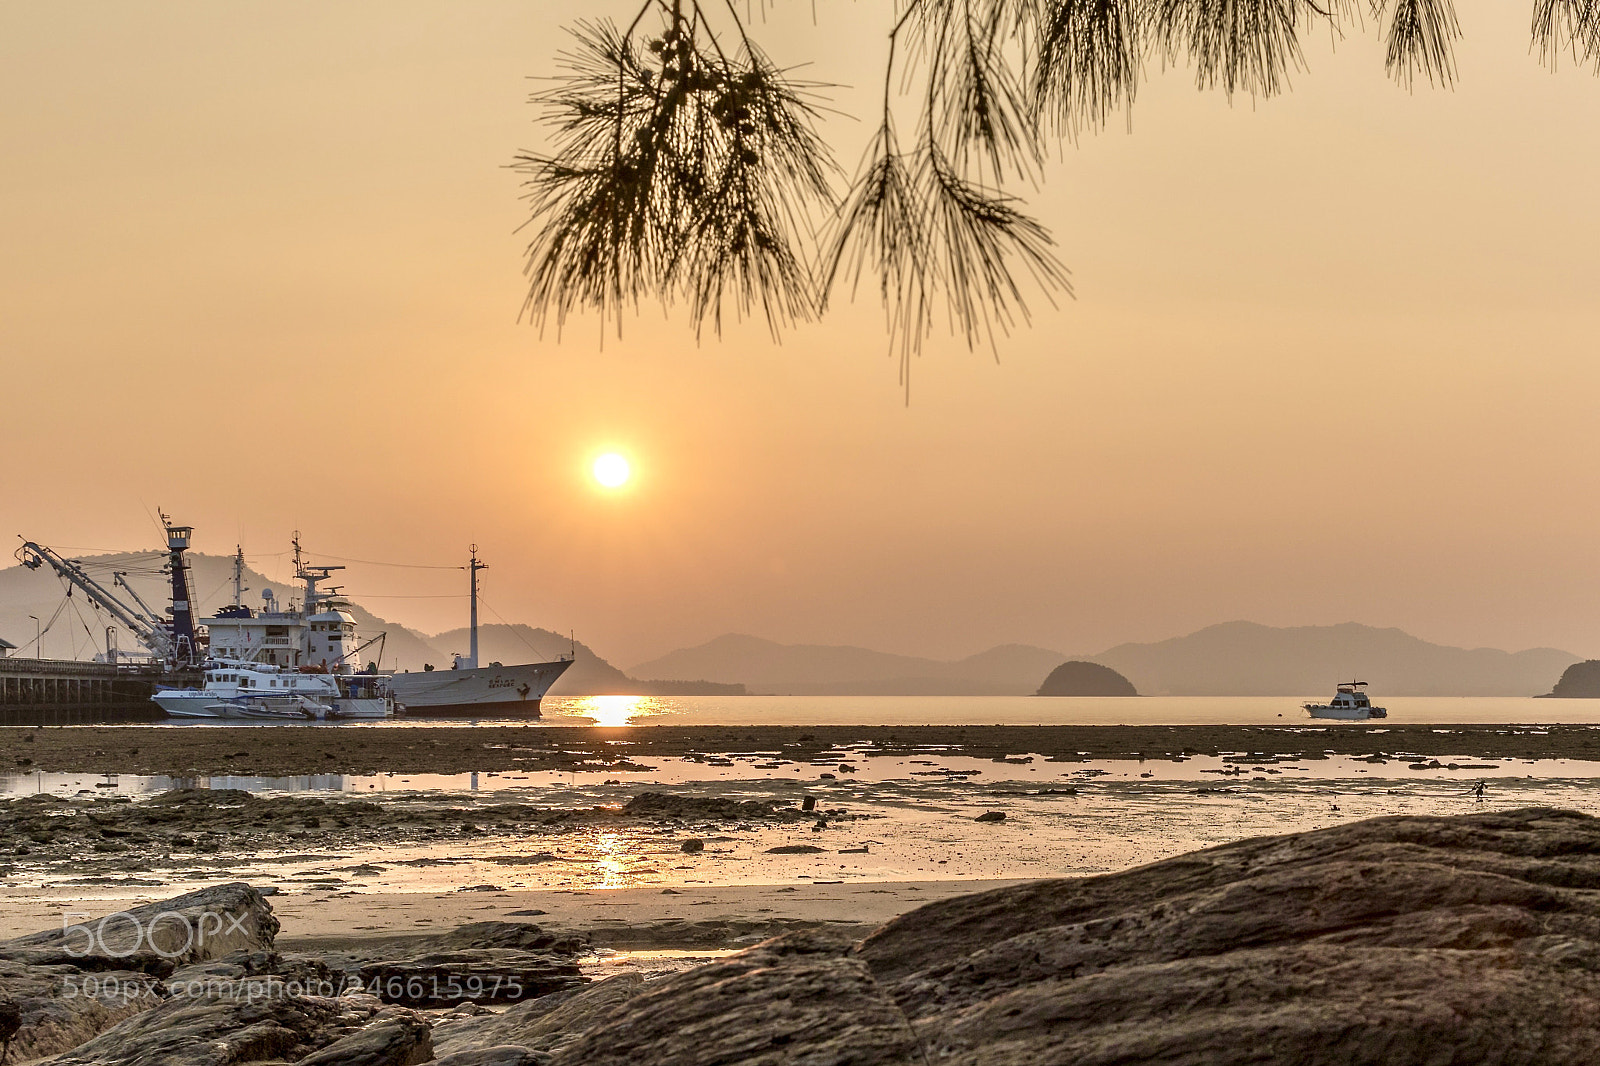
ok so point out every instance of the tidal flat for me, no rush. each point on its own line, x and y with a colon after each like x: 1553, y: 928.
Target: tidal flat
x: 468, y: 890
x: 697, y: 838
x: 417, y: 748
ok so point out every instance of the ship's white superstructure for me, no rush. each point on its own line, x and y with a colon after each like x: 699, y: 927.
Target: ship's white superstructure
x: 318, y: 631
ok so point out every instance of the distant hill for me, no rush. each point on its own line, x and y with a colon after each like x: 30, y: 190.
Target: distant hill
x: 1246, y: 659
x: 813, y: 669
x: 1078, y: 678
x: 1581, y: 681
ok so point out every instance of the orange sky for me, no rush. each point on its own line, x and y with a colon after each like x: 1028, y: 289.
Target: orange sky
x: 1332, y: 355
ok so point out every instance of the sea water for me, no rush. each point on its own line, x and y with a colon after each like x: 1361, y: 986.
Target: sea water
x: 990, y: 710
x: 1043, y: 710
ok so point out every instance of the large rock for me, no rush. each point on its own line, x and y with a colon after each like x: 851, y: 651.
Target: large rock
x: 1396, y: 940
x: 1078, y: 678
x: 394, y: 1038
x: 80, y: 980
x: 507, y: 1055
x: 225, y: 1030
x: 482, y: 962
x: 446, y: 978
x: 536, y: 1025
x: 799, y: 998
x: 156, y: 938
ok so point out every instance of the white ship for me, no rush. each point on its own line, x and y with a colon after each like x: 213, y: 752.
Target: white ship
x: 234, y: 689
x: 295, y: 663
x: 493, y: 691
x: 1348, y: 703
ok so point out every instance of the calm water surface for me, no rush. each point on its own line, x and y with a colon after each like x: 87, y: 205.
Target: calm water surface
x: 1041, y: 710
x: 994, y: 710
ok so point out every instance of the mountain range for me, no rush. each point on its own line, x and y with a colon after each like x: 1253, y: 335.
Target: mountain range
x: 1229, y: 659
x: 816, y: 669
x: 1247, y: 659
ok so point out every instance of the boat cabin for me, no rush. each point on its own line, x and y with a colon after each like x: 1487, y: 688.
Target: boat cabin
x: 1348, y: 698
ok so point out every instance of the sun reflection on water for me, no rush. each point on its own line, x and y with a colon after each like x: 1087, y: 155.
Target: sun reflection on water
x: 614, y: 861
x: 615, y: 710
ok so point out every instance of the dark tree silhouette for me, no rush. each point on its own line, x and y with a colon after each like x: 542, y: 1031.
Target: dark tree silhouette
x: 687, y: 167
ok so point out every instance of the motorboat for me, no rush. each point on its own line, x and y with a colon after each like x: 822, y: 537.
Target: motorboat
x: 235, y: 688
x: 1349, y: 703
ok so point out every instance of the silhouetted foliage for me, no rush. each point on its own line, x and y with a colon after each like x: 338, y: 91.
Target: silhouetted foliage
x: 686, y: 166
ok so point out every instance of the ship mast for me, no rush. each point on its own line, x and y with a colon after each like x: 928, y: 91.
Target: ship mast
x: 474, y: 566
x: 238, y: 576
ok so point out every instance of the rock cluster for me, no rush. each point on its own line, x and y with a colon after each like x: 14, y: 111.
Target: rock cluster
x: 1395, y: 940
x: 71, y: 983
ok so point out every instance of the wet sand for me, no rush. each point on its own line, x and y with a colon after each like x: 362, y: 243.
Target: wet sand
x: 204, y: 750
x: 685, y: 917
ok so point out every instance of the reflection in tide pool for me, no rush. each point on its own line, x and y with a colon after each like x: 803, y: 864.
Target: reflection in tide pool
x: 614, y: 710
x: 614, y: 855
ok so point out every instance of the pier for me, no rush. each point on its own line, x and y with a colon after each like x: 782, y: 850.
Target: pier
x: 65, y: 691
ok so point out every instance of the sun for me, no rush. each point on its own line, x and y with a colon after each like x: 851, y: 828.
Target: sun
x: 611, y: 470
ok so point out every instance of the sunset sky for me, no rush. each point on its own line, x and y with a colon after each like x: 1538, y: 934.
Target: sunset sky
x: 1332, y: 356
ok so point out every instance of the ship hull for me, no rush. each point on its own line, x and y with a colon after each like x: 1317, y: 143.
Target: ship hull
x: 486, y: 691
x: 1345, y: 714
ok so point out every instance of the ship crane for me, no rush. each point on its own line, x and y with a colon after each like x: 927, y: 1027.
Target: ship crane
x: 172, y: 640
x: 146, y: 630
x: 120, y: 578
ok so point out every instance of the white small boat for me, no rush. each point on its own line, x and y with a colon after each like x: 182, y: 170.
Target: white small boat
x: 1349, y: 703
x: 235, y: 689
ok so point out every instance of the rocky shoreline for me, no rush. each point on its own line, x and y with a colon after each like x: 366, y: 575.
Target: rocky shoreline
x: 302, y: 750
x: 1399, y: 940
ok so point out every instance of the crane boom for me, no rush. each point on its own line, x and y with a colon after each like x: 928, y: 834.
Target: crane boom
x: 149, y: 632
x: 120, y: 577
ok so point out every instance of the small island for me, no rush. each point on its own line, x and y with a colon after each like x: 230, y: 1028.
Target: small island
x: 1079, y: 678
x: 1580, y: 681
